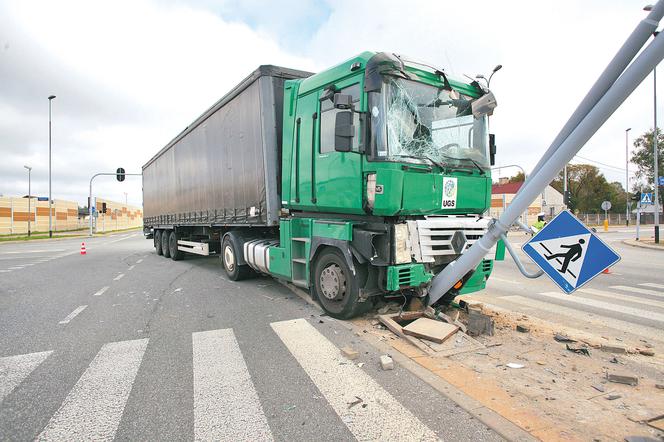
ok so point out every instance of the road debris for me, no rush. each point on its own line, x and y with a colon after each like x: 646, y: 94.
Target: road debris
x: 646, y: 351
x: 578, y: 350
x: 479, y: 323
x: 514, y: 365
x: 613, y: 397
x: 563, y: 338
x: 386, y: 362
x: 613, y: 348
x: 656, y: 422
x: 425, y: 328
x: 350, y: 353
x: 599, y: 387
x: 622, y: 379
x: 358, y: 400
x: 522, y: 329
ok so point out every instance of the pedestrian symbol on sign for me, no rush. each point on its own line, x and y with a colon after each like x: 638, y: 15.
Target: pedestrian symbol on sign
x: 574, y: 252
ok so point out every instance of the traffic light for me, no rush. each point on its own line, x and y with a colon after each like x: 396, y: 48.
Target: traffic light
x: 636, y: 196
x: 120, y: 174
x: 567, y: 198
x: 103, y: 207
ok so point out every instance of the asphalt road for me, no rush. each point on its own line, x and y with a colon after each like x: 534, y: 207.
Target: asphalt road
x: 122, y: 343
x: 627, y: 303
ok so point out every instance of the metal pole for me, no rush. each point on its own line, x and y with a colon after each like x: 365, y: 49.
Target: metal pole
x: 29, y: 197
x: 553, y: 163
x: 627, y: 176
x: 655, y: 153
x: 525, y: 177
x: 50, y: 228
x: 90, y: 195
x: 565, y: 184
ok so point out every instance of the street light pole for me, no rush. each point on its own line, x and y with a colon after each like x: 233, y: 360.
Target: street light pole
x: 655, y: 155
x: 29, y: 197
x: 50, y: 200
x: 627, y: 176
x: 525, y: 176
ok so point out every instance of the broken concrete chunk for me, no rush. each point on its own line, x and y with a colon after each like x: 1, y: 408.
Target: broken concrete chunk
x: 562, y: 338
x: 613, y: 397
x: 479, y: 323
x: 609, y: 348
x: 425, y: 328
x: 350, y: 353
x: 647, y: 351
x: 622, y: 379
x: 522, y: 329
x: 386, y: 362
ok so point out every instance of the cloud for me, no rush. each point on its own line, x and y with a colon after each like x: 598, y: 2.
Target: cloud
x: 128, y: 75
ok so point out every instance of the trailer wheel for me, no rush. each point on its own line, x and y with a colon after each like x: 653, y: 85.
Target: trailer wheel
x: 176, y: 254
x: 157, y: 241
x: 229, y: 260
x: 164, y: 244
x: 334, y: 286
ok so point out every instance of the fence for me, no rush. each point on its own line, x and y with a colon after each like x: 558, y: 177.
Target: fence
x: 616, y: 219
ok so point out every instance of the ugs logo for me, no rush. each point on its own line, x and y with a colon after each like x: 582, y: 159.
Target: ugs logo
x: 449, y: 203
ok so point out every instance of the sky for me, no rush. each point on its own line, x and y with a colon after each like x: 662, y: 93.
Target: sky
x: 130, y: 75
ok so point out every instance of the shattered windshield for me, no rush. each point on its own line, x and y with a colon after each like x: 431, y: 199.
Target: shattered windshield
x: 430, y: 123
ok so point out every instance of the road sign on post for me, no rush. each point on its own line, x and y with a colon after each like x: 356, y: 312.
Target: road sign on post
x: 646, y: 198
x: 606, y: 205
x: 660, y: 180
x: 569, y: 253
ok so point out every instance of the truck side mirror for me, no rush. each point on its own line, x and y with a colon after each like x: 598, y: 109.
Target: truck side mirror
x: 342, y: 101
x: 344, y: 131
x: 492, y: 149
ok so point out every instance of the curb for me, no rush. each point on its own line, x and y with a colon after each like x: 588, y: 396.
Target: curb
x: 501, y: 425
x: 63, y: 237
x: 635, y: 243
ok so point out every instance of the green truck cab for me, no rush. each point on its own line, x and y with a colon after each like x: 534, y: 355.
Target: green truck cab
x: 383, y: 168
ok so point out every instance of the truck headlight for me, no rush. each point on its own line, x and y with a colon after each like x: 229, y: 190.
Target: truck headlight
x: 401, y: 244
x: 371, y: 190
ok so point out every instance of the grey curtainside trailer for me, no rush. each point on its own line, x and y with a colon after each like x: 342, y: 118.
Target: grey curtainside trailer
x: 223, y: 169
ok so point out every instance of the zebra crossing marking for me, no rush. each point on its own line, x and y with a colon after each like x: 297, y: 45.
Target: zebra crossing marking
x: 627, y: 298
x: 637, y: 290
x: 226, y: 404
x: 101, y: 291
x: 653, y: 285
x: 73, y: 314
x: 384, y: 418
x: 13, y: 369
x: 604, y: 321
x: 93, y: 408
x: 606, y: 306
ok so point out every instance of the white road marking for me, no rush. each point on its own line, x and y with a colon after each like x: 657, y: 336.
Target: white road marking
x: 653, y: 285
x: 5, y: 271
x: 73, y: 314
x: 622, y: 297
x: 16, y: 268
x: 637, y: 290
x: 131, y: 267
x: 508, y: 281
x: 101, y: 291
x: 13, y: 369
x: 93, y: 408
x: 226, y: 405
x: 606, y: 306
x: 139, y: 261
x: 384, y: 418
x: 616, y: 324
x: 119, y: 277
x: 32, y: 251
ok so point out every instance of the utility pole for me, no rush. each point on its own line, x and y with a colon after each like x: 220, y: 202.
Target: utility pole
x: 29, y: 198
x: 627, y: 176
x: 50, y: 197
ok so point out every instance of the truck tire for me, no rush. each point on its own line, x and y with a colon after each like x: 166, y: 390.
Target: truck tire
x: 229, y: 260
x: 334, y: 287
x: 176, y: 254
x: 157, y: 241
x: 165, y: 234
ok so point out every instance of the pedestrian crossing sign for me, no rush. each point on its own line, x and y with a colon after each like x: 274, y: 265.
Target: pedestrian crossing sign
x: 646, y: 198
x: 569, y: 253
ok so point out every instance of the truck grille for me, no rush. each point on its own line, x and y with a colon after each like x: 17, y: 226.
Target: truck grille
x: 435, y: 236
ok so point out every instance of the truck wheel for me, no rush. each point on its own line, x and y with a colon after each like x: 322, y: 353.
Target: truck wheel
x: 229, y: 256
x: 176, y: 254
x: 157, y: 241
x: 334, y: 286
x: 164, y: 244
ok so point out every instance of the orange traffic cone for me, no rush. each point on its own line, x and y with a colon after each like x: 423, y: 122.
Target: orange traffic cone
x: 606, y: 270
x: 83, y: 252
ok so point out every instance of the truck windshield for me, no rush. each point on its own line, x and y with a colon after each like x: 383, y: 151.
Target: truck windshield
x: 422, y: 121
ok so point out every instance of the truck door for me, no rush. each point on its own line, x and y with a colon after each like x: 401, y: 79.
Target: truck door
x: 337, y: 176
x: 306, y: 117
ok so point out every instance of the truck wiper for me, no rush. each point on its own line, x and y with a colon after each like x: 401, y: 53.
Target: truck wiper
x: 426, y: 157
x: 482, y: 172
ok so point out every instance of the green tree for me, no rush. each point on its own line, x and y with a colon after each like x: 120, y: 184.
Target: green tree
x: 588, y: 188
x: 642, y: 156
x: 518, y: 178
